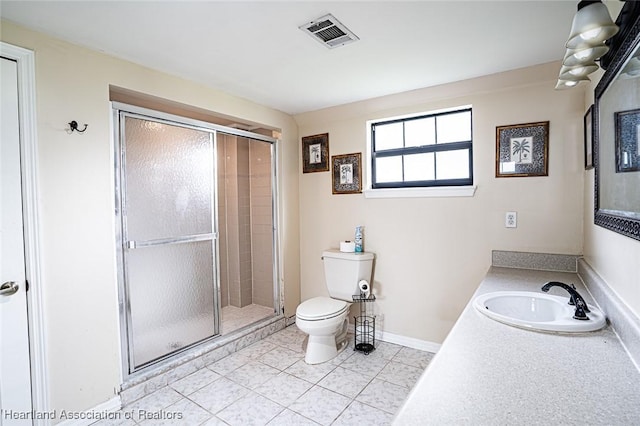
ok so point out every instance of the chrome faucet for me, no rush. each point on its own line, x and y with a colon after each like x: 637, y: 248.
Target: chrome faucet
x: 575, y: 299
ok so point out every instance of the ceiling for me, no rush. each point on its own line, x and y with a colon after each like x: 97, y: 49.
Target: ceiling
x: 256, y: 51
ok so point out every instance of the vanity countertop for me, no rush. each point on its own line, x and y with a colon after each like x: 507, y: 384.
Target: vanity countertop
x: 488, y: 373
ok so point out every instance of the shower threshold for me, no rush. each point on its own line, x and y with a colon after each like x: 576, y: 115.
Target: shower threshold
x: 146, y: 381
x: 234, y: 318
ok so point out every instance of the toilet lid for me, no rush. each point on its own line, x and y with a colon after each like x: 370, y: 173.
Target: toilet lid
x: 321, y: 307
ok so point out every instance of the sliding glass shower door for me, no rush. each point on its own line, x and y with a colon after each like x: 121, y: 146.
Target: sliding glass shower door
x: 167, y: 202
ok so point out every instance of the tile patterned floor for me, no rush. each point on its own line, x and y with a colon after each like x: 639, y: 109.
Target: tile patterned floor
x: 268, y: 383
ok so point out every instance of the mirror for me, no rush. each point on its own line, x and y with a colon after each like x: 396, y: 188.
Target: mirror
x: 617, y: 131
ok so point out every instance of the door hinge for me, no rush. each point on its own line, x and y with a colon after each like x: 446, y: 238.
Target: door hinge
x: 26, y: 285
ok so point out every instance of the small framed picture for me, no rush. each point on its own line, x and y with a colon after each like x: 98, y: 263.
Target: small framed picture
x: 588, y: 139
x: 315, y: 153
x: 627, y: 124
x: 522, y: 150
x: 346, y: 173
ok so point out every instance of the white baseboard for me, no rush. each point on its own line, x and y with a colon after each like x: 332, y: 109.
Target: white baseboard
x: 409, y: 342
x: 107, y: 410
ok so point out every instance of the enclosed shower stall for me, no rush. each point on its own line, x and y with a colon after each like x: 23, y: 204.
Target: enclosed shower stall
x: 196, y: 235
x: 245, y: 219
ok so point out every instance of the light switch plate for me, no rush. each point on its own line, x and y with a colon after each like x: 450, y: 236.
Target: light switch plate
x: 511, y: 220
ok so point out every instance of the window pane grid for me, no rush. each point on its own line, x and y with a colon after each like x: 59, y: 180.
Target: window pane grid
x: 428, y: 150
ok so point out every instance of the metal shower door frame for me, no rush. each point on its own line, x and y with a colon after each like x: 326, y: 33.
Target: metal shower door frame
x: 121, y: 109
x: 125, y: 245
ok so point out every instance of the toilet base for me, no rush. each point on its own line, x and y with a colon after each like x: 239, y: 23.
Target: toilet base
x: 324, y: 348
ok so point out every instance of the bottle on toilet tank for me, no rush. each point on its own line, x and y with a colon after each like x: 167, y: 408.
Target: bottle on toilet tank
x: 358, y: 239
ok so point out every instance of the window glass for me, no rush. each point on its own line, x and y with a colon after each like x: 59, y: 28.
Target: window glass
x: 454, y: 127
x: 389, y: 169
x: 388, y: 136
x: 419, y: 167
x: 420, y: 132
x: 453, y: 164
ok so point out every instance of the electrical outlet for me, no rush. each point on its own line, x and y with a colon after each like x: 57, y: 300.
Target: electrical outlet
x: 511, y: 220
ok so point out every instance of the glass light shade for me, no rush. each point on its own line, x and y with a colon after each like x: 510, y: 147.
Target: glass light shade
x: 566, y: 73
x: 592, y: 26
x: 577, y: 78
x: 565, y: 84
x: 576, y: 57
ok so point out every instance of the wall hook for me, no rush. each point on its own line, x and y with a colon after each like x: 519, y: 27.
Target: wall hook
x: 73, y: 126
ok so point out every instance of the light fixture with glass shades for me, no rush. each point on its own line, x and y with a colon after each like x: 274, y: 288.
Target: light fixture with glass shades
x: 591, y: 28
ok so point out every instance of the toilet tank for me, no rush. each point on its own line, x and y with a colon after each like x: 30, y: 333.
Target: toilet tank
x: 343, y: 271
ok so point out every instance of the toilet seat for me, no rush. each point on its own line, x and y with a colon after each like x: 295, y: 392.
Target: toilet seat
x: 321, y: 308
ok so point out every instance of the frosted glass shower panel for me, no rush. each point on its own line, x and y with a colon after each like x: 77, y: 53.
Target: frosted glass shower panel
x: 169, y: 176
x: 172, y: 301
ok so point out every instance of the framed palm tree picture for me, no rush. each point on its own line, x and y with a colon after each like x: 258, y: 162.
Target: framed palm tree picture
x: 522, y: 150
x: 315, y: 153
x: 347, y: 173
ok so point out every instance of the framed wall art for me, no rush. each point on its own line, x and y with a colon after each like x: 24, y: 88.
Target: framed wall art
x: 522, y: 150
x: 627, y: 124
x: 315, y: 153
x: 346, y: 173
x: 588, y: 139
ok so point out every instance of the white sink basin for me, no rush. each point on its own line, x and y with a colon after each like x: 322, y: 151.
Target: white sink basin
x: 537, y: 311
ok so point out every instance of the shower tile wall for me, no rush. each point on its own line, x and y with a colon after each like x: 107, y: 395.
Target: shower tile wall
x: 261, y: 223
x: 229, y: 215
x: 245, y: 221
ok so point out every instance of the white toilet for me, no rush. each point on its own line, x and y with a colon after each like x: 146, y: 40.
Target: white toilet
x: 325, y: 319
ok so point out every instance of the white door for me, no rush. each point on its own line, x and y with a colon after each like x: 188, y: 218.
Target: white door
x: 15, y: 382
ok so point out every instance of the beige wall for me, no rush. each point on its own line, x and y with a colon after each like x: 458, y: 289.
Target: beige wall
x: 613, y: 256
x: 77, y: 204
x: 433, y: 252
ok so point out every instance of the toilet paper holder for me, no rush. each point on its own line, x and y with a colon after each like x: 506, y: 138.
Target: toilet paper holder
x: 365, y: 325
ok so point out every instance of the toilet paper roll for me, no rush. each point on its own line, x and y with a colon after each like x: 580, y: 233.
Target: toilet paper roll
x: 365, y: 288
x: 347, y: 246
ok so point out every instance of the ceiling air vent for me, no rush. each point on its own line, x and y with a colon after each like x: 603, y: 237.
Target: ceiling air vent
x: 329, y: 31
